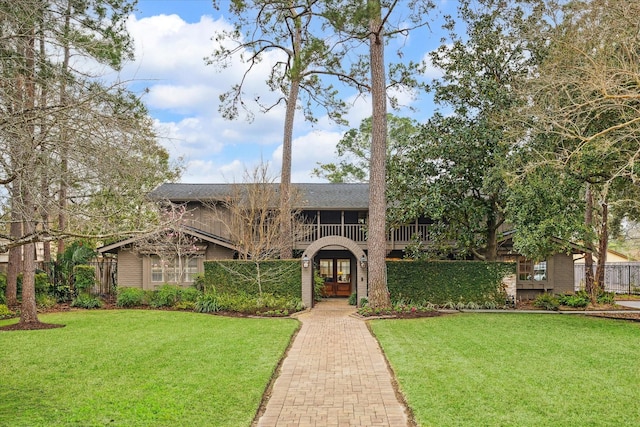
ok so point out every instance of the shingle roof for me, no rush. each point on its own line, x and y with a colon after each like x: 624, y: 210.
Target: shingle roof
x: 312, y: 195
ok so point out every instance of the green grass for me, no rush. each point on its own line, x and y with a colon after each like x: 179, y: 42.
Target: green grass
x: 516, y: 369
x: 139, y: 368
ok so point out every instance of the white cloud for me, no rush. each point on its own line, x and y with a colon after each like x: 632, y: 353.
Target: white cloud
x: 182, y: 93
x: 307, y: 151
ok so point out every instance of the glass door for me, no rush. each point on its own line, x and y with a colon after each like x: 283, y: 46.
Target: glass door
x: 336, y: 273
x: 327, y: 274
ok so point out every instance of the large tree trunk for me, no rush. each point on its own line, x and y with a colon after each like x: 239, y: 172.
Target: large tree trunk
x: 15, y: 256
x: 589, y: 284
x: 26, y: 205
x: 64, y: 153
x: 285, y: 175
x: 286, y: 233
x: 602, y: 250
x: 377, y: 238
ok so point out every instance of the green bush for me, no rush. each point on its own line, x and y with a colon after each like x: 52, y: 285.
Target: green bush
x: 42, y: 284
x: 248, y: 304
x: 185, y: 305
x: 578, y: 300
x: 439, y: 282
x: 279, y: 277
x: 189, y: 295
x: 5, y: 313
x: 84, y: 278
x: 547, y: 301
x: 61, y: 292
x: 45, y: 301
x: 165, y: 296
x: 130, y: 297
x: 171, y: 295
x: 353, y: 299
x: 607, y: 298
x: 207, y: 303
x: 3, y: 288
x: 86, y: 301
x: 318, y: 285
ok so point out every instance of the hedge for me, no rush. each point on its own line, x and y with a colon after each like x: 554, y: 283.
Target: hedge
x: 278, y: 277
x: 437, y: 282
x: 440, y: 282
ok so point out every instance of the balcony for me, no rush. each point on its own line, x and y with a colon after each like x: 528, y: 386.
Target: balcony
x: 398, y: 238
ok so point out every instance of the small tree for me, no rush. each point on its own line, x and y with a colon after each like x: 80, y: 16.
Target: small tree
x: 172, y: 243
x: 250, y: 214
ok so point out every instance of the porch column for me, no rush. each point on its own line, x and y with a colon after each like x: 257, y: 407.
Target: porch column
x: 307, y: 284
x: 363, y: 279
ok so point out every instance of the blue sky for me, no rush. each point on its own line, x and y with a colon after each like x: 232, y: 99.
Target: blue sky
x: 172, y: 38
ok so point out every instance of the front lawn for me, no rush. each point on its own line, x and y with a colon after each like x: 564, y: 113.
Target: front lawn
x: 510, y: 369
x: 139, y: 368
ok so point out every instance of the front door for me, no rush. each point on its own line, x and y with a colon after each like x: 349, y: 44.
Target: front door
x: 336, y: 273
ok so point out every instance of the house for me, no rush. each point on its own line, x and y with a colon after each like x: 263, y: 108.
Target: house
x: 554, y: 274
x: 4, y: 256
x: 333, y: 241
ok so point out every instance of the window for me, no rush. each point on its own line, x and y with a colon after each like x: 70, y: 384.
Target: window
x: 344, y: 270
x: 532, y: 270
x: 326, y: 269
x: 169, y: 270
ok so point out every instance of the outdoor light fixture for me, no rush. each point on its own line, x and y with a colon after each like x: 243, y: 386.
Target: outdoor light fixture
x: 363, y: 261
x: 305, y: 261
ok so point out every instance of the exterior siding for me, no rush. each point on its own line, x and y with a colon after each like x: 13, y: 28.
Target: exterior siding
x: 218, y: 252
x: 563, y: 271
x: 206, y: 219
x: 135, y: 271
x: 560, y: 273
x: 129, y: 269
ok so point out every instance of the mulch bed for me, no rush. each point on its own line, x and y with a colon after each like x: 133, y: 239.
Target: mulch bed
x: 31, y: 326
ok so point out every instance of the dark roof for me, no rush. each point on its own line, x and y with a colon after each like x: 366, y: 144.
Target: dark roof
x: 312, y: 196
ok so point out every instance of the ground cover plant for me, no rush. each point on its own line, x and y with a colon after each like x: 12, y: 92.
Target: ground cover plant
x: 515, y: 369
x: 139, y: 368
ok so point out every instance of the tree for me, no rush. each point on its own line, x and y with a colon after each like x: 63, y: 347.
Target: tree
x: 584, y: 99
x: 90, y: 139
x: 354, y: 150
x: 371, y: 22
x: 285, y: 29
x: 172, y: 244
x: 249, y: 213
x: 454, y: 172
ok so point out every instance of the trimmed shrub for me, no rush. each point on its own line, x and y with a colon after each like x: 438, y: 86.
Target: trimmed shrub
x: 84, y: 278
x: 278, y: 277
x: 130, y: 297
x: 439, y: 282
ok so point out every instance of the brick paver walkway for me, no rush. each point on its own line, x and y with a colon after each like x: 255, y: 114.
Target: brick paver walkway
x: 333, y: 375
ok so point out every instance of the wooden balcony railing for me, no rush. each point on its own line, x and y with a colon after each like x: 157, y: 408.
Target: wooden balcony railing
x: 358, y: 232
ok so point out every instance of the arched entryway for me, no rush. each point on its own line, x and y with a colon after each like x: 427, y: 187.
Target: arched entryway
x: 315, y: 247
